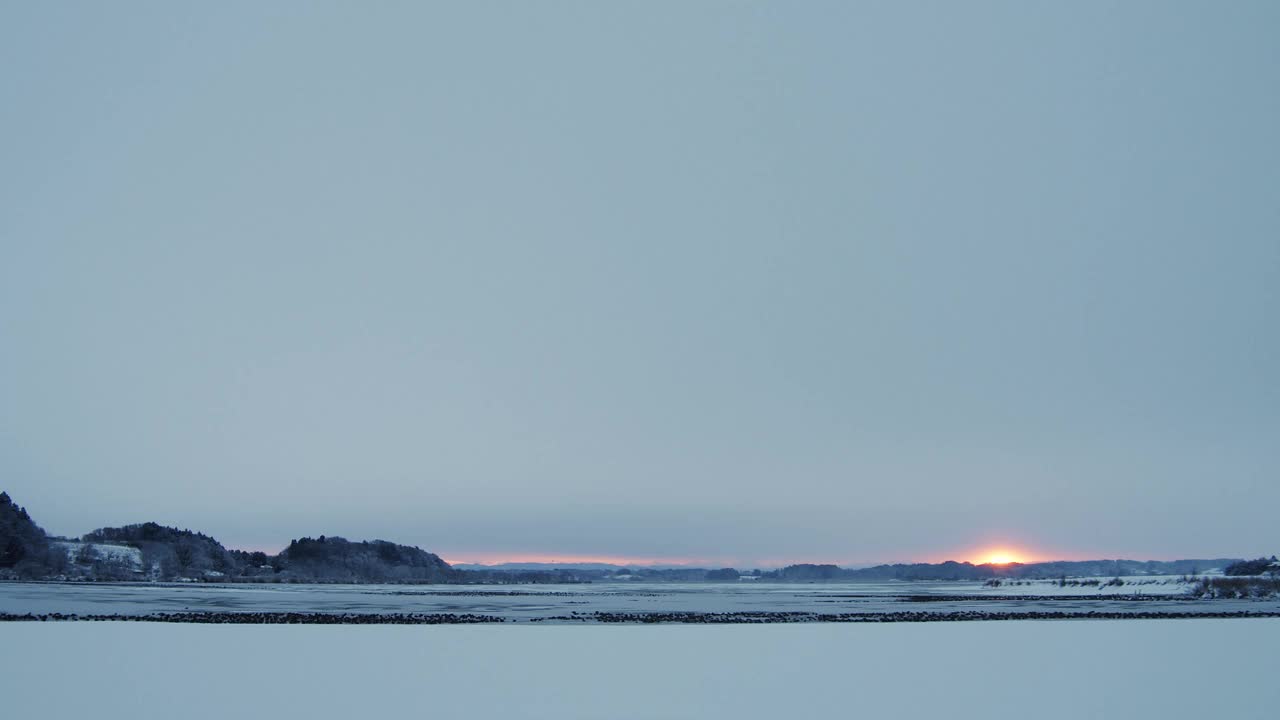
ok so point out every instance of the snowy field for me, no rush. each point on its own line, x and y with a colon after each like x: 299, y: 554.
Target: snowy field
x: 1019, y: 669
x: 525, y: 603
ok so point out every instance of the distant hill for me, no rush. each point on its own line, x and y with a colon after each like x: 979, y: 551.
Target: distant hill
x: 335, y: 559
x: 169, y: 553
x: 1270, y: 566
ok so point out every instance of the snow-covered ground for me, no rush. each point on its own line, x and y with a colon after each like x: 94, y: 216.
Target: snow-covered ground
x: 1085, y: 586
x: 130, y: 557
x: 1020, y: 669
x: 525, y: 603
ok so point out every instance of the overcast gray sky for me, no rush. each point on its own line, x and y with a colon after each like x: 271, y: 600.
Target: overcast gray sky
x: 716, y: 281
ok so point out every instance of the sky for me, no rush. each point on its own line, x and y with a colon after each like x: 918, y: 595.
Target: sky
x: 717, y: 282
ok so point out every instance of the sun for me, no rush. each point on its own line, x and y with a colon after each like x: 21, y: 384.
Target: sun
x: 1000, y: 557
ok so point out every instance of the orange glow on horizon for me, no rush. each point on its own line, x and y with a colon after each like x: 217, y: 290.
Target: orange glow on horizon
x: 996, y: 551
x: 999, y: 555
x: 1006, y: 548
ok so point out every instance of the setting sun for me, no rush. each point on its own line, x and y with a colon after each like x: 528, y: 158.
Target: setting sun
x: 1000, y: 557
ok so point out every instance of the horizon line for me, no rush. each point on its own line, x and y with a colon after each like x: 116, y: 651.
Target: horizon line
x: 499, y: 559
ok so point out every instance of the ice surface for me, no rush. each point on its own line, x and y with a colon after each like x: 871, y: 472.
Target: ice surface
x: 1163, y: 669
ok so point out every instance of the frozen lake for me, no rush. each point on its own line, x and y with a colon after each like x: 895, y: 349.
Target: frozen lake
x: 1048, y: 670
x: 523, y: 603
